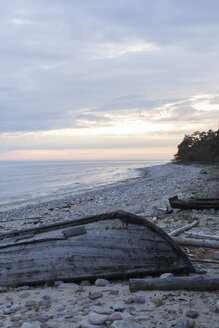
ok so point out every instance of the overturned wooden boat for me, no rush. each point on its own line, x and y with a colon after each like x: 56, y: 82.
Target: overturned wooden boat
x: 111, y: 245
x: 194, y: 203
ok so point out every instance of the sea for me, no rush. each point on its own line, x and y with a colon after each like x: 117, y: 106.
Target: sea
x: 28, y: 180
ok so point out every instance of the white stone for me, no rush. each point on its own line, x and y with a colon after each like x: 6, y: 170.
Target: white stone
x: 27, y: 325
x: 101, y: 282
x: 118, y: 307
x: 166, y: 275
x: 97, y: 319
x: 217, y: 306
x: 102, y: 310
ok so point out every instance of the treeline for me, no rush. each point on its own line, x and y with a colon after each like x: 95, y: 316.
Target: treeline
x: 202, y: 147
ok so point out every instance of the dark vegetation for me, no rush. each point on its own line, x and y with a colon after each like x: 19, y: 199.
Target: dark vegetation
x: 201, y: 147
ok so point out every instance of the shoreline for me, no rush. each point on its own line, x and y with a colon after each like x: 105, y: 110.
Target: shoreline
x: 68, y: 305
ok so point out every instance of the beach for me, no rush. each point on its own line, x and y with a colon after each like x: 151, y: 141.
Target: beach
x: 70, y: 304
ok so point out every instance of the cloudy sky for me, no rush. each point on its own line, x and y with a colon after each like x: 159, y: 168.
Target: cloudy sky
x: 106, y: 79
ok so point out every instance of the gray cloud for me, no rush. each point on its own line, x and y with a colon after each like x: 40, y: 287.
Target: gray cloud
x: 58, y: 58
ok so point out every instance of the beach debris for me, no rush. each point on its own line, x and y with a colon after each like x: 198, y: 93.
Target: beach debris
x: 161, y: 213
x: 195, y: 282
x: 182, y: 229
x: 197, y: 242
x: 194, y: 203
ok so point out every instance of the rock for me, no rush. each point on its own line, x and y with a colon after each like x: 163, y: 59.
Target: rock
x: 16, y: 324
x: 166, y: 275
x: 25, y: 295
x: 126, y: 324
x: 217, y: 306
x: 102, y: 310
x: 216, y: 255
x: 118, y: 307
x: 23, y: 288
x: 84, y: 283
x: 139, y: 299
x: 192, y: 314
x: 15, y: 307
x: 46, y: 297
x: 97, y: 319
x: 44, y: 302
x: 114, y: 316
x: 30, y: 303
x: 126, y: 315
x: 60, y: 308
x: 190, y: 323
x: 101, y: 282
x: 141, y: 317
x: 213, y: 309
x: 44, y: 325
x: 114, y: 292
x: 179, y: 325
x: 27, y: 325
x: 129, y: 300
x: 94, y: 296
x: 42, y: 317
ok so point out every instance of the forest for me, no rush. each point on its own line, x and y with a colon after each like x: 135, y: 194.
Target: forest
x: 200, y: 147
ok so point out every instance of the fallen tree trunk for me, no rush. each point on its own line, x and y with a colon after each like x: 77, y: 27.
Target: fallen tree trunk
x: 197, y: 242
x: 201, y: 236
x: 196, y: 283
x: 182, y: 229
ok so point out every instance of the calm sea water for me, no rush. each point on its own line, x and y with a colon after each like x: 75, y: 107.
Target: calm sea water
x: 29, y: 180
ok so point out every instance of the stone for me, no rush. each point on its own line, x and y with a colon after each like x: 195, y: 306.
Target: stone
x: 23, y: 288
x: 97, y: 319
x: 84, y: 283
x: 94, y: 296
x: 44, y: 302
x: 139, y: 299
x: 24, y: 295
x: 15, y: 307
x: 126, y: 324
x: 42, y: 317
x: 216, y: 255
x: 166, y: 275
x: 126, y: 315
x: 46, y: 297
x: 16, y: 324
x: 129, y: 300
x: 27, y: 325
x: 44, y: 325
x: 217, y: 306
x: 192, y: 314
x: 101, y: 282
x: 178, y: 325
x: 114, y: 292
x: 30, y: 303
x: 141, y: 317
x: 213, y: 309
x: 60, y: 308
x: 114, y: 316
x: 118, y: 307
x: 102, y: 310
x: 190, y: 323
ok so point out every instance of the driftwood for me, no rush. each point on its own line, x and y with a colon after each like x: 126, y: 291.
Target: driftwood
x: 201, y: 236
x: 182, y: 229
x: 196, y: 283
x: 194, y: 203
x: 197, y: 242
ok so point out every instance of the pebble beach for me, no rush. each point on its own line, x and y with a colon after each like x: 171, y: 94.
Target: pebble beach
x: 103, y: 303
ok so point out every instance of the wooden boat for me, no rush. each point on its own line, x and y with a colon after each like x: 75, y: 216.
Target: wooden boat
x: 111, y: 245
x: 194, y: 203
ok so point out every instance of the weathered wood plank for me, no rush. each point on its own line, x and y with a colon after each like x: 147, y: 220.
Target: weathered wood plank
x: 197, y: 242
x: 196, y: 283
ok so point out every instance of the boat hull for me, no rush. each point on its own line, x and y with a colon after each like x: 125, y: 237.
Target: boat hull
x: 114, y: 245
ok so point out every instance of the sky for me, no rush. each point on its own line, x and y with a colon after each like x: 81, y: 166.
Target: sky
x: 100, y: 79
